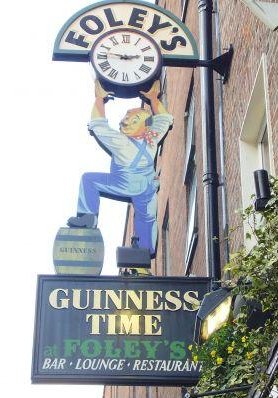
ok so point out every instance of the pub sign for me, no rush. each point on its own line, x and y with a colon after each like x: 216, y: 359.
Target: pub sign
x: 116, y: 330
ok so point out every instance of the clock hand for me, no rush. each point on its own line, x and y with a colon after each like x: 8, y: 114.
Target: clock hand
x: 132, y: 56
x: 125, y: 56
x: 117, y: 55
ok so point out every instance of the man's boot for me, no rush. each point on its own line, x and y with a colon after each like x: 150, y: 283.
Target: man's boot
x: 87, y: 220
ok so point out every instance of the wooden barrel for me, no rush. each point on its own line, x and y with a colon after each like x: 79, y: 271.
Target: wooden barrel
x: 78, y: 251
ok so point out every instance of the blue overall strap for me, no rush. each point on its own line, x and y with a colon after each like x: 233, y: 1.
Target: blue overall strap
x: 142, y: 151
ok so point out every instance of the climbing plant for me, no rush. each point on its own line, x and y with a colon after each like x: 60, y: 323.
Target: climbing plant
x: 237, y: 354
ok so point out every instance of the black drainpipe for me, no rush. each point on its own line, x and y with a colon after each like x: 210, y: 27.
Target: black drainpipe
x: 210, y: 175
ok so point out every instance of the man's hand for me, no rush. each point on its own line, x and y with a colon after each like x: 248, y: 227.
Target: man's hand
x: 102, y: 97
x: 153, y: 93
x: 100, y: 92
x: 152, y: 97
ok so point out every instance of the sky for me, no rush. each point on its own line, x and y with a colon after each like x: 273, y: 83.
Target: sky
x: 45, y: 147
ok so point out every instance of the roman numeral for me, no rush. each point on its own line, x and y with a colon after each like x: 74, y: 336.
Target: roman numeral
x: 102, y: 55
x: 107, y: 48
x: 113, y: 73
x: 137, y: 41
x: 137, y: 76
x: 104, y: 66
x: 126, y: 39
x: 145, y: 49
x: 114, y: 40
x: 125, y: 77
x: 149, y: 59
x: 144, y: 68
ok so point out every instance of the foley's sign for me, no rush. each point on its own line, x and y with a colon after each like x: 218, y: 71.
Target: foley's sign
x: 79, y: 33
x: 116, y: 330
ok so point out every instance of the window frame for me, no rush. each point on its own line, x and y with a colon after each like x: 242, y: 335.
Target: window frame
x: 190, y: 136
x: 184, y: 7
x: 190, y: 180
x: 192, y: 223
x: 256, y: 121
x: 166, y: 253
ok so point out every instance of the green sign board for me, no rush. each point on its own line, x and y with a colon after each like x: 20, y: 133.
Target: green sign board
x: 116, y: 330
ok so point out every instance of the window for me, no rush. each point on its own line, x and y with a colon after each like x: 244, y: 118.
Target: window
x: 267, y: 12
x: 255, y: 142
x: 192, y: 222
x: 184, y: 5
x: 163, y: 99
x: 190, y: 138
x: 166, y: 243
x: 190, y: 180
x: 264, y: 147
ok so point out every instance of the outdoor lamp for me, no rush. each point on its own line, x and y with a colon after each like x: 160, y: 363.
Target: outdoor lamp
x: 262, y: 188
x: 134, y: 256
x: 212, y: 314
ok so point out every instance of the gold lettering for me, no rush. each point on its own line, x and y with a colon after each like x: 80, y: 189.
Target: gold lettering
x: 94, y: 319
x: 76, y: 299
x: 112, y: 295
x: 152, y: 327
x: 135, y: 297
x: 129, y: 324
x: 111, y: 329
x: 172, y: 297
x: 193, y: 301
x: 53, y: 299
x: 97, y: 300
x: 153, y: 297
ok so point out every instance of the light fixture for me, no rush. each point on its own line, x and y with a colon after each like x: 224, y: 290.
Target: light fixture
x: 213, y: 313
x: 262, y: 188
x: 255, y: 316
x: 133, y: 257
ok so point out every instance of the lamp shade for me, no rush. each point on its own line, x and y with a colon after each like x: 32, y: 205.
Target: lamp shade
x: 213, y: 313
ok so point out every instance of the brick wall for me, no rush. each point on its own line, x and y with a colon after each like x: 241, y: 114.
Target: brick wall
x: 250, y: 39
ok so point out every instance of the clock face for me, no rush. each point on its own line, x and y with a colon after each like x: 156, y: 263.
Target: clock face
x: 126, y: 57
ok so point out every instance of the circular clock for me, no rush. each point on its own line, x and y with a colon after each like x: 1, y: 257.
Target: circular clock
x: 126, y: 61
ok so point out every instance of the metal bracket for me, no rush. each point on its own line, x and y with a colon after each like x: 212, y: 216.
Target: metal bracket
x: 221, y: 64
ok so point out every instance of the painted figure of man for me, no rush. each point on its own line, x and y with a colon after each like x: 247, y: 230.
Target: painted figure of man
x: 132, y: 174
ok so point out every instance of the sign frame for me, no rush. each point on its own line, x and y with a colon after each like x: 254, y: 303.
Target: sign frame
x: 83, y: 55
x: 39, y: 376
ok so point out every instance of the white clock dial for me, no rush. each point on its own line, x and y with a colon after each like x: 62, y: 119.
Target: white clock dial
x: 126, y: 57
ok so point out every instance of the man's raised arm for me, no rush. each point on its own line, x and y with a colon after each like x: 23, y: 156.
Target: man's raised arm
x: 152, y: 96
x: 100, y: 99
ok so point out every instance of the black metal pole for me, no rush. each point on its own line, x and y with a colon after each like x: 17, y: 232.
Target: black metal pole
x: 210, y: 176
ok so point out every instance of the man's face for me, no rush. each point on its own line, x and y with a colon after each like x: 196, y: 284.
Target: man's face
x: 133, y: 124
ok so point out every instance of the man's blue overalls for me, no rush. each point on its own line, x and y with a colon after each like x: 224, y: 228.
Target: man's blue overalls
x: 134, y: 182
x: 132, y: 176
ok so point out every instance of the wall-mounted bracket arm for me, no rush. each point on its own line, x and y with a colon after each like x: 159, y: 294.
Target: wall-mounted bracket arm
x: 221, y: 64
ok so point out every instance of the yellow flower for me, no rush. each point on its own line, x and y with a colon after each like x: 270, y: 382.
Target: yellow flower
x: 195, y: 358
x: 190, y: 347
x: 219, y: 360
x: 213, y: 354
x: 230, y: 349
x: 233, y: 343
x: 249, y: 355
x: 243, y: 339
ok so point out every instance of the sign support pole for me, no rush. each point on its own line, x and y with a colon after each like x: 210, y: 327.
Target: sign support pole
x: 210, y: 175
